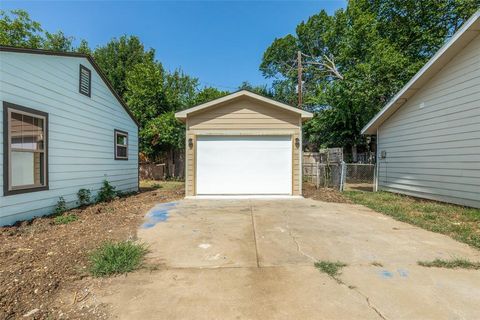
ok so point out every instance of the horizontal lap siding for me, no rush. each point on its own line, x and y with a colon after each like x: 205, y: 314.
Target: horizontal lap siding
x: 243, y: 116
x: 433, y: 141
x: 81, y: 142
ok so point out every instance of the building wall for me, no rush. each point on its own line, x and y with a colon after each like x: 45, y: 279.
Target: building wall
x: 433, y: 140
x: 81, y: 131
x: 243, y: 116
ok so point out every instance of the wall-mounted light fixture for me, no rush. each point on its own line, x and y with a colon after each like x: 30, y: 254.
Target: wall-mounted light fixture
x: 297, y: 143
x: 190, y: 143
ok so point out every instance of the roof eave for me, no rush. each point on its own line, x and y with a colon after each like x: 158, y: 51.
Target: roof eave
x: 182, y: 115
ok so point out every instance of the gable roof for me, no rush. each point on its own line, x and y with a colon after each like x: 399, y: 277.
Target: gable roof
x: 182, y: 115
x: 75, y: 55
x: 469, y: 30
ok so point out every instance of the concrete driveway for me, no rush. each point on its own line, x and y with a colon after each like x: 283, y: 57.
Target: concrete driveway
x: 253, y: 259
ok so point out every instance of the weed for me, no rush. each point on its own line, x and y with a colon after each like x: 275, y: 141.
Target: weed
x: 61, y: 206
x: 65, y: 219
x: 116, y: 258
x: 83, y: 196
x: 106, y: 193
x: 377, y: 264
x: 330, y: 268
x: 450, y: 264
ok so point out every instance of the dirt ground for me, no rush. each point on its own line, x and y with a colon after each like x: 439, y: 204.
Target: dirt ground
x: 39, y: 259
x: 323, y: 194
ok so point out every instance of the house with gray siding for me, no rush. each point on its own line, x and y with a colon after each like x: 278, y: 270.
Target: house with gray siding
x: 64, y: 128
x: 428, y: 135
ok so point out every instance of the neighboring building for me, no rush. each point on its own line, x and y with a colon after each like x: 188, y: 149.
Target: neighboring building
x: 243, y: 144
x: 428, y: 135
x: 64, y: 128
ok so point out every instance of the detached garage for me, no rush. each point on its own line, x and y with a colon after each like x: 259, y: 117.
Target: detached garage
x: 243, y: 144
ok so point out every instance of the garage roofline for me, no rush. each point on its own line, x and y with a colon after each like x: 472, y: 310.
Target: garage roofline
x: 469, y: 30
x: 182, y: 115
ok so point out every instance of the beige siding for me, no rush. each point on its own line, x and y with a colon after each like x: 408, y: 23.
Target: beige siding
x: 243, y: 117
x: 433, y: 141
x: 243, y: 114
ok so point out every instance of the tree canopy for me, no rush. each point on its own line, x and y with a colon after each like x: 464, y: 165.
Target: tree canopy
x: 355, y: 60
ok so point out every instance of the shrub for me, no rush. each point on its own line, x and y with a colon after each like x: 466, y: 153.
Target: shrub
x: 61, y: 206
x: 106, y: 192
x: 83, y: 196
x: 65, y: 219
x: 116, y: 258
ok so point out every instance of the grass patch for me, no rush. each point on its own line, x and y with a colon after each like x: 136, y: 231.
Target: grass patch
x: 164, y: 185
x: 450, y: 264
x: 460, y: 223
x: 65, y: 219
x: 116, y: 258
x: 330, y: 268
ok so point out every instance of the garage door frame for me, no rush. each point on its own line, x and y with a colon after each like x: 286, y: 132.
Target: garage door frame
x: 231, y: 134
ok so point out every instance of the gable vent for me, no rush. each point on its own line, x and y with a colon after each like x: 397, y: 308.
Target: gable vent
x: 85, y: 84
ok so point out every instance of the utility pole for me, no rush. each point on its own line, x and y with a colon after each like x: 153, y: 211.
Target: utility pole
x: 299, y: 69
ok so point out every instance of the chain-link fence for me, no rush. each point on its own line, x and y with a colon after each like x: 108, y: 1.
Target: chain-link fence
x: 342, y: 176
x: 323, y: 175
x: 359, y: 176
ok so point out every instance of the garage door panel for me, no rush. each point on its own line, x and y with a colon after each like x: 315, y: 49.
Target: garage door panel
x: 244, y: 165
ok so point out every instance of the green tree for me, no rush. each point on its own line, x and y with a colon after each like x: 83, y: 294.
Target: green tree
x: 208, y: 94
x: 261, y: 90
x: 355, y: 60
x: 162, y: 136
x: 119, y: 56
x: 180, y: 90
x: 17, y: 29
x: 84, y: 48
x: 58, y: 42
x: 144, y: 92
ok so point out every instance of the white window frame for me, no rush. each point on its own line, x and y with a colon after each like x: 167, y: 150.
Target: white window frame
x: 118, y: 133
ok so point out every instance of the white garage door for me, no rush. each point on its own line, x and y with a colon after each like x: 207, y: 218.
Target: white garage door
x: 244, y: 165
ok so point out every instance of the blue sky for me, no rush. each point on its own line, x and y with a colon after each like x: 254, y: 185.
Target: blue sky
x: 219, y: 42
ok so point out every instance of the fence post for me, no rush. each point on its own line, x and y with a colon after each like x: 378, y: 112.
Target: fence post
x: 317, y: 184
x: 342, y: 175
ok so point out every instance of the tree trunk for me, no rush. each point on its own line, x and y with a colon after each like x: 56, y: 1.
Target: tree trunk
x: 354, y: 153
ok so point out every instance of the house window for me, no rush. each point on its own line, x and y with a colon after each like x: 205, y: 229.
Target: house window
x: 121, y: 145
x: 85, y: 82
x: 25, y: 149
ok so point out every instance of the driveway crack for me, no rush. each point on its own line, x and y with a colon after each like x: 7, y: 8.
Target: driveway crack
x: 299, y: 250
x: 254, y: 235
x: 294, y: 238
